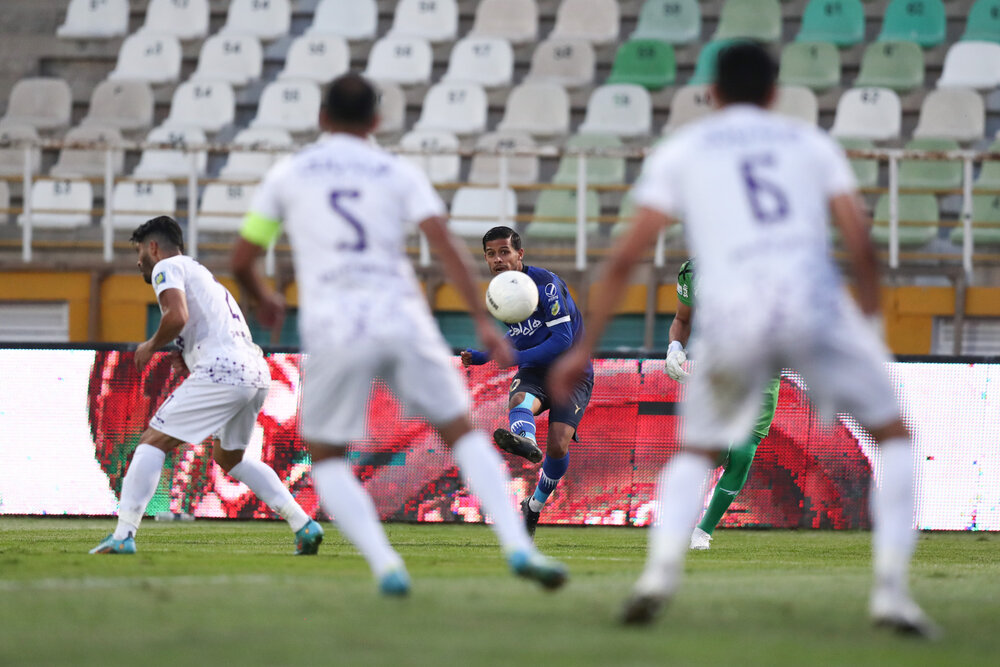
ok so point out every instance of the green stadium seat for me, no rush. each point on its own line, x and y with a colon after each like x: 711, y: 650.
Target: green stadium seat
x: 673, y: 21
x: 920, y: 21
x: 985, y: 211
x: 645, y: 62
x: 815, y: 65
x: 600, y: 170
x: 555, y: 215
x: 704, y: 68
x: 865, y: 171
x: 895, y: 65
x: 983, y: 24
x: 752, y: 19
x: 931, y: 174
x: 915, y: 212
x: 989, y: 174
x: 625, y: 213
x: 840, y: 22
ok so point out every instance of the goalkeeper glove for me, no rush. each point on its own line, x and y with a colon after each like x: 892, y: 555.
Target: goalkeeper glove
x: 675, y: 362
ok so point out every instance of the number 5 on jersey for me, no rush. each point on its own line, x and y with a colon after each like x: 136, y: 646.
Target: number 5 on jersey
x: 360, y: 243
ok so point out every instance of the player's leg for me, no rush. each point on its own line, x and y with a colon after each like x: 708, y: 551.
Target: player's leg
x: 524, y: 403
x: 734, y: 476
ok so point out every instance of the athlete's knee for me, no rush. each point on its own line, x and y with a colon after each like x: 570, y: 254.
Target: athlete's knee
x: 894, y: 430
x: 226, y: 458
x: 522, y: 399
x: 453, y: 431
x: 160, y: 440
x: 558, y: 442
x: 321, y: 451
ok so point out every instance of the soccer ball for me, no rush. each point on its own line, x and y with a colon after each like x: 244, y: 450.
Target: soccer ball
x: 512, y: 297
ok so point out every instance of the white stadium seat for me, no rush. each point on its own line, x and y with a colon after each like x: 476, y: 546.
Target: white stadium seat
x: 474, y: 211
x: 318, y: 58
x: 184, y: 19
x: 86, y: 19
x: 167, y: 163
x: 12, y: 159
x: 488, y: 61
x: 42, y: 102
x: 798, y: 102
x: 433, y: 20
x: 567, y: 62
x: 521, y: 169
x: 539, y: 109
x: 135, y: 202
x: 454, y: 106
x: 208, y: 105
x: 289, y: 105
x: 266, y: 20
x: 82, y: 162
x: 255, y: 163
x: 60, y: 203
x: 148, y: 56
x: 400, y: 59
x: 350, y: 19
x: 223, y: 206
x: 513, y: 20
x: 689, y: 103
x: 235, y: 59
x: 868, y: 113
x: 952, y: 113
x: 126, y: 105
x: 971, y: 65
x: 4, y: 202
x: 391, y: 107
x: 623, y: 109
x: 595, y: 21
x: 439, y: 168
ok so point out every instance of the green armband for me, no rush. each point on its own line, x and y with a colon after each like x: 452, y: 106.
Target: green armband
x: 260, y: 230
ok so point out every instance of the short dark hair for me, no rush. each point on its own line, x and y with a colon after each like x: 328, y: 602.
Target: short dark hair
x: 351, y: 100
x: 745, y: 73
x: 502, y: 233
x: 163, y: 229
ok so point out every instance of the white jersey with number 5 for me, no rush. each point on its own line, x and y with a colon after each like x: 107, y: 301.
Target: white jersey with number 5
x: 348, y: 207
x: 215, y: 341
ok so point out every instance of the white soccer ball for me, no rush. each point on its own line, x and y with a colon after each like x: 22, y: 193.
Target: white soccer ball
x: 512, y: 297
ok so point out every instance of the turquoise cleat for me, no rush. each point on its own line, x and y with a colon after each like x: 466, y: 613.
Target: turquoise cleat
x: 551, y: 574
x: 308, y: 539
x: 109, y: 545
x: 395, y: 583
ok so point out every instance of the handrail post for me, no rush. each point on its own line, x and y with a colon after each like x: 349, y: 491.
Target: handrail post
x: 109, y: 210
x: 581, y: 212
x: 504, y: 183
x: 967, y: 245
x: 893, y: 210
x: 26, y: 187
x: 193, y: 205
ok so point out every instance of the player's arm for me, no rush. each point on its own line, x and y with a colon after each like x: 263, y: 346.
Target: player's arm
x: 560, y: 339
x: 852, y: 221
x: 680, y: 332
x: 173, y: 306
x: 257, y: 234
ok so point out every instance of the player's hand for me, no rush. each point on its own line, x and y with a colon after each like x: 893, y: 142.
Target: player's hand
x: 142, y: 355
x: 566, y: 372
x: 466, y: 357
x: 271, y: 310
x: 675, y: 362
x: 177, y: 363
x: 495, y: 344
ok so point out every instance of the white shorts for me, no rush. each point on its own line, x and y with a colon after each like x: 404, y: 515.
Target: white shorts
x: 198, y: 409
x: 838, y: 355
x: 336, y: 385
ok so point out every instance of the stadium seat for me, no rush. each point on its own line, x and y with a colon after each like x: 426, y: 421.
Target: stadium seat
x: 474, y: 211
x: 895, y: 65
x: 184, y: 20
x: 436, y: 20
x: 555, y: 215
x: 595, y: 21
x: 86, y: 163
x: 989, y: 174
x: 865, y: 171
x: 351, y: 19
x: 135, y: 202
x: 759, y: 20
x: 148, y: 56
x: 488, y: 61
x: 931, y: 174
x: 60, y: 203
x: 918, y: 220
x: 223, y: 206
x: 126, y: 105
x: 983, y: 24
x: 798, y: 102
x: 644, y: 62
x: 439, y: 168
x: 815, y: 65
x: 971, y: 65
x: 626, y: 211
x: 868, y: 113
x: 86, y: 19
x: 255, y: 163
x: 985, y: 222
x: 952, y: 113
x: 920, y: 21
x: 289, y: 105
x: 704, y: 68
x: 539, y: 109
x: 391, y: 107
x: 672, y: 21
x: 599, y: 170
x: 42, y: 102
x: 618, y: 108
x: 167, y: 163
x: 318, y: 58
x: 266, y: 20
x: 521, y: 170
x: 401, y: 59
x: 838, y: 22
x: 454, y: 106
x: 235, y: 59
x: 4, y: 202
x: 513, y: 20
x: 12, y: 159
x: 569, y: 63
x: 207, y: 105
x: 689, y: 103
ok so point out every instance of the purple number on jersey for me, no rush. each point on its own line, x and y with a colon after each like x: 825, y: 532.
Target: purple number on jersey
x: 767, y: 200
x: 335, y: 198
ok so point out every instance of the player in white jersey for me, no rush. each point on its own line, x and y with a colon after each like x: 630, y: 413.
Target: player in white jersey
x: 348, y: 208
x: 755, y: 191
x: 227, y: 384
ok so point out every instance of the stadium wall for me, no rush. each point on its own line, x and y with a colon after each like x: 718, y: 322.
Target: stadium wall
x: 70, y: 419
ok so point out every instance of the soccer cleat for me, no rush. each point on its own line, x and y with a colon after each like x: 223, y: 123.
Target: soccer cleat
x: 109, y: 545
x: 308, y: 539
x: 897, y: 611
x: 643, y: 608
x: 530, y: 517
x: 551, y: 574
x: 517, y: 445
x: 395, y: 582
x: 700, y: 540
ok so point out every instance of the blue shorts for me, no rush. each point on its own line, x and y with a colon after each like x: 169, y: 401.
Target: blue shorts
x: 532, y: 380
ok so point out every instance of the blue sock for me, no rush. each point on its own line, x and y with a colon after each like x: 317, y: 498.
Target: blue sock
x: 552, y: 471
x: 522, y: 419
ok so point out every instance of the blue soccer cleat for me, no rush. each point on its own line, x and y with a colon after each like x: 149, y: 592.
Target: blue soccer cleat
x: 109, y: 545
x: 308, y: 538
x: 551, y: 574
x: 395, y: 582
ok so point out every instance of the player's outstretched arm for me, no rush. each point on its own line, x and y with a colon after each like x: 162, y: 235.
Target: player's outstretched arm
x: 680, y: 332
x: 243, y: 263
x: 853, y: 223
x: 174, y: 315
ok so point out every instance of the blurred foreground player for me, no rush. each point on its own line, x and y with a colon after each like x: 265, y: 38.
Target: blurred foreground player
x: 348, y: 207
x: 755, y: 191
x: 225, y: 390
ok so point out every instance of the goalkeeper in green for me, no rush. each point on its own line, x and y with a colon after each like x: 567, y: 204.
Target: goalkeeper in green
x: 738, y: 459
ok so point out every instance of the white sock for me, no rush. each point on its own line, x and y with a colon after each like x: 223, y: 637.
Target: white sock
x: 486, y: 476
x: 679, y: 496
x: 343, y: 497
x: 893, y: 536
x: 264, y: 482
x: 138, y: 488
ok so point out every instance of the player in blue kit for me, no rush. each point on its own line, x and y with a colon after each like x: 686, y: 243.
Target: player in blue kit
x: 551, y: 330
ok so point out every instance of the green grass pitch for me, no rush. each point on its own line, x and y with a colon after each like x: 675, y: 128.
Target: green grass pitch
x: 231, y: 593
